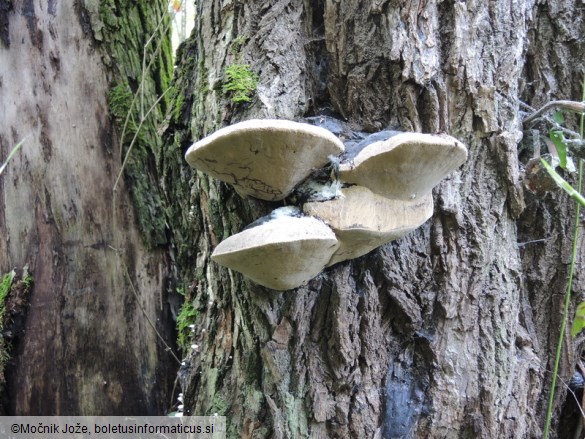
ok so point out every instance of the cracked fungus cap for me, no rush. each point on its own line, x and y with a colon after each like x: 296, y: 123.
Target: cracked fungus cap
x: 363, y: 220
x: 264, y: 158
x: 405, y: 166
x: 281, y: 253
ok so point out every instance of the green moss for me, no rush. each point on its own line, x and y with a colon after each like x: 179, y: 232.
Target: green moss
x: 120, y: 101
x: 187, y: 316
x: 239, y: 83
x: 128, y: 28
x: 296, y: 416
x: 5, y: 286
x: 218, y: 405
x: 165, y: 60
x: 27, y: 280
x: 237, y: 44
x: 204, y: 183
x: 204, y: 83
x: 215, y: 218
x: 9, y: 285
x: 178, y: 105
x: 218, y: 402
x: 147, y: 205
x: 107, y: 15
x: 212, y: 374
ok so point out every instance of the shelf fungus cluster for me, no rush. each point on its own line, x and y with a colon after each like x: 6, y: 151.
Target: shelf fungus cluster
x: 352, y: 203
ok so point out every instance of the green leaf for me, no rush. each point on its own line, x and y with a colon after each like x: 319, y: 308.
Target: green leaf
x: 558, y: 139
x: 558, y: 117
x: 579, y: 320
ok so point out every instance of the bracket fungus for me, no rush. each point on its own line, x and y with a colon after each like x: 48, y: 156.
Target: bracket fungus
x: 280, y: 251
x: 404, y: 166
x: 264, y: 158
x: 379, y: 191
x: 363, y: 220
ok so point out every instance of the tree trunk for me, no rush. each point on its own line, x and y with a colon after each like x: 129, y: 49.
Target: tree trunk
x: 448, y: 332
x: 100, y: 273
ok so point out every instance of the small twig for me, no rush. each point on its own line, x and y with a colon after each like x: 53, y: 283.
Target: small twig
x: 172, y: 403
x: 526, y: 106
x: 128, y: 116
x: 577, y: 107
x: 168, y: 348
x: 136, y: 136
x: 557, y: 127
x: 534, y: 241
x: 564, y: 130
x: 575, y: 142
x: 569, y: 390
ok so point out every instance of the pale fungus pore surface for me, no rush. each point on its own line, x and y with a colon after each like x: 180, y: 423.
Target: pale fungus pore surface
x: 281, y: 253
x: 264, y: 158
x: 363, y: 220
x: 405, y: 166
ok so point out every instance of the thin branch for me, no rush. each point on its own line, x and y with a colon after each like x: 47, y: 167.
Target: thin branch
x: 534, y: 241
x: 572, y: 392
x: 526, y: 106
x: 128, y: 116
x: 577, y: 107
x: 172, y: 403
x: 146, y: 315
x: 136, y: 136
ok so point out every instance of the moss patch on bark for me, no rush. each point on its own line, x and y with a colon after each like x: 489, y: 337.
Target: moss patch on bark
x: 143, y: 68
x: 14, y: 293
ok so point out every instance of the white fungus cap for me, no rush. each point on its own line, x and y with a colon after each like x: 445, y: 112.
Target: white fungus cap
x: 264, y: 158
x: 405, y: 166
x: 281, y: 253
x: 363, y: 220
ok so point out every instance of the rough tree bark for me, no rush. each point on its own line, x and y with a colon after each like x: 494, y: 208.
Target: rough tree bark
x: 448, y: 332
x: 86, y: 346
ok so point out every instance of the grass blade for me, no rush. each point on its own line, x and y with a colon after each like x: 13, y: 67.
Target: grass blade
x: 562, y: 183
x: 14, y: 150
